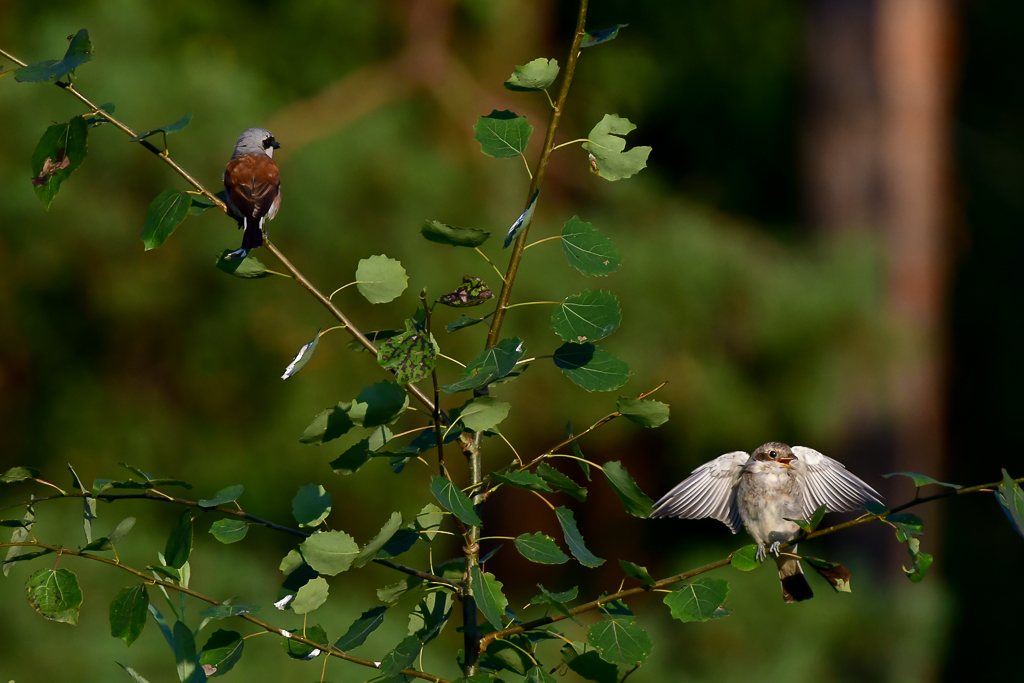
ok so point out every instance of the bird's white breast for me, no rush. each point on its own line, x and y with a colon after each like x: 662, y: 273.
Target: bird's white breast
x: 766, y: 495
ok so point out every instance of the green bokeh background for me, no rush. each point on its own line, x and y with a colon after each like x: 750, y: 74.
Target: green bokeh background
x: 764, y: 330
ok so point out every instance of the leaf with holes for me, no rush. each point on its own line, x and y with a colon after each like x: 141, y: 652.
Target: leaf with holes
x: 588, y: 316
x: 502, y: 134
x: 606, y: 144
x: 588, y: 249
x: 697, y: 600
x: 494, y: 363
x: 620, y: 641
x: 536, y: 75
x: 381, y: 279
x: 472, y: 292
x: 591, y: 367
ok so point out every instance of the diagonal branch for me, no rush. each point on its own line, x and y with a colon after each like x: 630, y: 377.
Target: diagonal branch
x: 333, y: 651
x: 595, y: 604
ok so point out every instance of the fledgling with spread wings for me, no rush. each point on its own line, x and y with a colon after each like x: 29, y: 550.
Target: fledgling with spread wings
x: 760, y: 491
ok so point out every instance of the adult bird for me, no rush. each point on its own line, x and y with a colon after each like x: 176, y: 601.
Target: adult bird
x: 253, y: 187
x: 760, y: 491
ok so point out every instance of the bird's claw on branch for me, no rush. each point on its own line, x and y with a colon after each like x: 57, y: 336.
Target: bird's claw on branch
x: 774, y: 550
x: 761, y: 554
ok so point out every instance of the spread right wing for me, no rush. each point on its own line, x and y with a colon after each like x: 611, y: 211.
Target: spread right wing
x: 709, y: 492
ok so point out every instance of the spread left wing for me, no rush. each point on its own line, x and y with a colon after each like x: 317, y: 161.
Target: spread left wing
x: 710, y: 491
x: 827, y: 482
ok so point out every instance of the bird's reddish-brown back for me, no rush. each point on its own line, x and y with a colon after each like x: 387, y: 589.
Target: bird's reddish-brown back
x: 252, y: 183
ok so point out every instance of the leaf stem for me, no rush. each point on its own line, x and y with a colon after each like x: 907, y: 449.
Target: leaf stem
x: 477, y: 249
x: 331, y: 297
x: 532, y: 303
x: 571, y: 142
x: 527, y: 165
x: 546, y: 239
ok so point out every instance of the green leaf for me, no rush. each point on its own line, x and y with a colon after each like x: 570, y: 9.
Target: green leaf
x: 591, y: 367
x: 371, y: 549
x: 60, y: 151
x: 97, y: 120
x: 50, y: 71
x: 906, y: 524
x: 588, y: 249
x: 462, y: 322
x: 20, y: 535
x: 472, y: 292
x: 494, y: 363
x: 221, y: 652
x: 538, y: 675
x: 454, y: 501
x: 328, y: 425
x: 229, y: 530
x: 836, y: 574
x: 483, y: 413
x: 588, y: 316
x: 400, y: 542
x: 620, y: 641
x: 697, y: 600
x: 489, y: 598
x: 168, y: 129
x: 637, y: 572
x: 589, y: 665
x: 381, y: 279
x: 393, y: 593
x: 547, y: 597
x: 430, y: 615
x: 1011, y: 499
x: 310, y: 596
x: 179, y: 543
x: 249, y: 267
x: 226, y: 495
x: 429, y: 521
x: 502, y: 134
x: 165, y: 214
x: 302, y: 357
x: 633, y: 499
x: 645, y: 412
x: 164, y: 570
x: 297, y: 650
x: 536, y: 75
x: 521, y: 480
x: 184, y: 651
x: 16, y: 474
x: 435, y: 231
x: 329, y: 552
x: 135, y: 676
x: 811, y: 524
x: 311, y: 505
x: 55, y: 594
x: 379, y: 404
x: 574, y: 539
x: 561, y: 481
x: 606, y: 146
x: 361, y: 628
x: 745, y: 559
x: 128, y: 613
x: 228, y: 611
x: 593, y: 38
x: 410, y: 355
x: 402, y: 657
x: 921, y: 479
x: 353, y: 458
x: 921, y: 561
x: 875, y: 508
x: 540, y: 548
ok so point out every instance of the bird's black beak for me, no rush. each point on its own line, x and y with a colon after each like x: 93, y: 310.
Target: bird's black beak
x: 276, y: 145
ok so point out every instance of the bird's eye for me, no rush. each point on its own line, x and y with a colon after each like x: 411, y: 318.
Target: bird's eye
x: 269, y: 142
x: 774, y: 454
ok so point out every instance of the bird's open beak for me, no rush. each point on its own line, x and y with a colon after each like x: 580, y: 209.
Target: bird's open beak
x: 785, y: 462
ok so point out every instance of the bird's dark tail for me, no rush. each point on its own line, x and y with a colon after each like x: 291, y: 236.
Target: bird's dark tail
x: 794, y: 584
x: 252, y: 237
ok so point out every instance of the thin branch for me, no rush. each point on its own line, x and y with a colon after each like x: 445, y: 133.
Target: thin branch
x: 160, y: 496
x: 199, y: 596
x: 595, y: 604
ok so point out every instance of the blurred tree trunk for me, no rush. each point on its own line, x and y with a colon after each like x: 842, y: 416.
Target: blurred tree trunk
x: 876, y: 157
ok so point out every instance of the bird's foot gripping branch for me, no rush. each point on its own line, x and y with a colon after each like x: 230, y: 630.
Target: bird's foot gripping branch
x: 464, y: 409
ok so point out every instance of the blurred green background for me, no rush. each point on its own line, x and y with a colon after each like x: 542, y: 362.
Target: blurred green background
x: 768, y: 321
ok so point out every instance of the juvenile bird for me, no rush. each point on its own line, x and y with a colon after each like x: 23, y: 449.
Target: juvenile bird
x: 253, y: 187
x: 760, y: 491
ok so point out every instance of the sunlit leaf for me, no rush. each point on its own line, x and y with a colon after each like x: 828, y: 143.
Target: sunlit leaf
x: 20, y: 535
x: 588, y: 316
x: 921, y: 561
x: 223, y: 497
x: 606, y: 144
x: 50, y: 71
x: 55, y: 594
x: 430, y: 615
x: 502, y: 134
x: 591, y: 367
x: 60, y: 151
x: 328, y: 425
x: 588, y: 249
x: 381, y: 279
x: 435, y: 231
x: 620, y: 641
x: 489, y: 597
x: 371, y: 549
x: 483, y: 413
x: 310, y: 596
x: 302, y: 357
x: 184, y: 651
x: 229, y: 530
x: 495, y: 362
x: 297, y: 650
x: 16, y: 474
x: 745, y: 559
x: 128, y: 613
x: 428, y: 521
x: 574, y: 539
x: 455, y: 501
x: 697, y: 600
x: 540, y: 548
x: 536, y: 75
x: 165, y: 214
x: 329, y: 552
x: 637, y: 572
x: 645, y: 412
